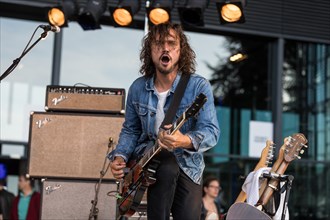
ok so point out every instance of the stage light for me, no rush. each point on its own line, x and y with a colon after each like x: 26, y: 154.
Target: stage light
x: 90, y: 16
x: 59, y: 16
x: 231, y: 11
x: 237, y: 57
x: 123, y: 14
x: 160, y: 11
x: 193, y: 12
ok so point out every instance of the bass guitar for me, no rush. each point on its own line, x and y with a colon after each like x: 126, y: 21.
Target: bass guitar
x: 142, y: 172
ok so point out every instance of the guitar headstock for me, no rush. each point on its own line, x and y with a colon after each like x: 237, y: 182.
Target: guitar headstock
x: 269, y: 152
x: 267, y: 155
x: 196, y: 106
x: 294, y: 145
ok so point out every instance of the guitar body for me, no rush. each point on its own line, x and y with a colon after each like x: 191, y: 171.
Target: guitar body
x: 245, y: 211
x: 130, y: 204
x: 134, y: 186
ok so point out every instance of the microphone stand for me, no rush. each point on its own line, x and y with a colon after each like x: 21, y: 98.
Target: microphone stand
x: 94, y: 211
x: 26, y: 50
x: 288, y: 187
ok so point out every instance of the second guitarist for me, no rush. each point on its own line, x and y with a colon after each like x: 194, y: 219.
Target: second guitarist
x: 165, y: 56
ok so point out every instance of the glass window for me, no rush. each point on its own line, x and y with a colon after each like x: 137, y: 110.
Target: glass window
x: 305, y: 100
x: 306, y: 110
x: 241, y: 84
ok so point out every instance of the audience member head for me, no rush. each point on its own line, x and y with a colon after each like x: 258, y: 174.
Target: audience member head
x: 211, y: 187
x: 25, y: 183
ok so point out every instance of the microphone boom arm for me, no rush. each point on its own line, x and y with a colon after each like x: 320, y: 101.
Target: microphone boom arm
x: 17, y: 60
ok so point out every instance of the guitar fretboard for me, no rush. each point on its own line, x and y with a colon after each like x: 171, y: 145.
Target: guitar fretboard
x: 155, y: 149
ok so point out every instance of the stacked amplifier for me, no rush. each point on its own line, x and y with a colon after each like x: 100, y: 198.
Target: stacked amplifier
x: 68, y: 145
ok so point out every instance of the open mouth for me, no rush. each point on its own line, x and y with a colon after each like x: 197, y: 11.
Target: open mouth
x: 165, y: 59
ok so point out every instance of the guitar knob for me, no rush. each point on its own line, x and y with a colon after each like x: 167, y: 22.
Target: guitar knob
x: 302, y: 151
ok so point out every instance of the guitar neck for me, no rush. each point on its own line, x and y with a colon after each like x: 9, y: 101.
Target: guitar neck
x: 156, y: 149
x: 266, y: 157
x: 276, y: 165
x: 289, y: 151
x: 274, y: 169
x: 272, y: 184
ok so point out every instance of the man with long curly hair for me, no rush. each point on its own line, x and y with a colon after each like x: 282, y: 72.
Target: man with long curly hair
x: 166, y: 56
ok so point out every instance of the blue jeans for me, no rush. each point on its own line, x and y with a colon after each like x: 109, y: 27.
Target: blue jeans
x: 174, y: 192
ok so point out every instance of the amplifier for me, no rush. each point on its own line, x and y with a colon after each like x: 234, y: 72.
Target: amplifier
x: 72, y: 145
x: 85, y: 99
x: 72, y: 199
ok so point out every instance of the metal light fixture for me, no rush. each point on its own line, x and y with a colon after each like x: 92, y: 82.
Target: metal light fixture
x: 159, y: 11
x: 231, y: 11
x: 123, y: 14
x: 193, y: 12
x: 59, y: 16
x: 90, y: 16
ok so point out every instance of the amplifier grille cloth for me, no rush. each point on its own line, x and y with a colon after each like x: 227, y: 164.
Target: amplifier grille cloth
x: 71, y: 199
x: 70, y: 145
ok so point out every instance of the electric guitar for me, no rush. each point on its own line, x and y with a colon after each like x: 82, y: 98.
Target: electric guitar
x: 289, y: 151
x: 266, y: 157
x: 142, y: 173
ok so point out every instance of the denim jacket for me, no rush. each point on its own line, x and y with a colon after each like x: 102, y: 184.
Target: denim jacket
x: 138, y: 128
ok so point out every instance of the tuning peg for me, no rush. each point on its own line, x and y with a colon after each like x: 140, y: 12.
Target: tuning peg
x: 291, y: 139
x: 302, y: 151
x: 305, y: 146
x: 298, y: 157
x: 289, y: 145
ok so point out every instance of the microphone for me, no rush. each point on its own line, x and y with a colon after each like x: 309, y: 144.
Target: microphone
x: 55, y: 29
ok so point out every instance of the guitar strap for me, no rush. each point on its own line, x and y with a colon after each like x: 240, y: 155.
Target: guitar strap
x: 169, y: 116
x: 178, y: 94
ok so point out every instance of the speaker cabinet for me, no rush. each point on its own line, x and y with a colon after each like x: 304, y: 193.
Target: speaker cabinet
x: 69, y: 145
x: 72, y: 199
